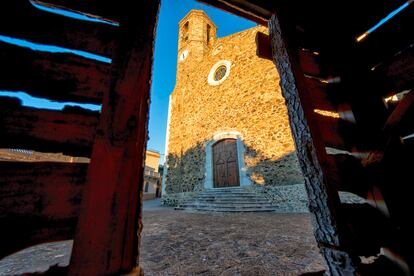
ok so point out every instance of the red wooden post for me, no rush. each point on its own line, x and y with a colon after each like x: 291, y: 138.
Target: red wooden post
x: 106, y: 241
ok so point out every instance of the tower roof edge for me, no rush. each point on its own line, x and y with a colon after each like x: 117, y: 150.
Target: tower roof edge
x: 196, y: 12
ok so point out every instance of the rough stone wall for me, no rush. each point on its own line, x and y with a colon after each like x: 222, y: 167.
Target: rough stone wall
x: 248, y: 101
x: 29, y: 156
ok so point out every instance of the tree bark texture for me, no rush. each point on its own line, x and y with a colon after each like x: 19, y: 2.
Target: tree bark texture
x: 323, y: 199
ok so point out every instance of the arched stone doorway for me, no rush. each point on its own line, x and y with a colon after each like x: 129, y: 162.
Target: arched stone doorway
x: 234, y: 138
x: 225, y: 165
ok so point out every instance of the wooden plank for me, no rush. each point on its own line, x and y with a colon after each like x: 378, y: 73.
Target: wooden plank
x: 113, y: 196
x: 344, y: 135
x: 321, y: 98
x: 20, y: 19
x: 367, y: 229
x: 331, y: 131
x: 263, y: 48
x: 39, y: 202
x: 394, y: 121
x: 347, y: 174
x: 22, y: 232
x: 309, y: 63
x: 323, y: 198
x: 61, y: 77
x: 256, y: 11
x: 391, y: 38
x: 71, y: 131
x: 397, y: 73
x: 106, y: 9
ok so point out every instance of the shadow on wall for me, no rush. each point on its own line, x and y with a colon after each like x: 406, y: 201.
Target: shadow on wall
x: 280, y: 171
x: 186, y: 172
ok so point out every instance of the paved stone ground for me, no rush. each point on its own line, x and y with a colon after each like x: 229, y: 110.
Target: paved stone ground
x: 180, y: 243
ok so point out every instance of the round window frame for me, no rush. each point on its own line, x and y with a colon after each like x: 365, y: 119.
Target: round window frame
x: 213, y: 70
x: 184, y: 55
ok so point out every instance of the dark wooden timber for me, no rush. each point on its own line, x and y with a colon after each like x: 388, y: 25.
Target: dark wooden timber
x: 71, y: 131
x: 62, y: 77
x: 20, y: 19
x: 324, y: 201
x: 263, y: 48
x: 257, y: 11
x: 108, y: 231
x: 39, y: 202
x: 394, y: 121
x: 105, y: 9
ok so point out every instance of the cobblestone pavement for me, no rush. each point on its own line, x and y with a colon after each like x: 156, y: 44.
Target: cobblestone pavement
x: 180, y: 243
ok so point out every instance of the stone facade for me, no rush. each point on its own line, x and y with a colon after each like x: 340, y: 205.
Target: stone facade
x: 152, y: 176
x: 35, y: 156
x: 246, y: 103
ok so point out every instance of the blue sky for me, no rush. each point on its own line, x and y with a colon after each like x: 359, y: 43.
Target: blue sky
x: 163, y: 82
x: 165, y: 61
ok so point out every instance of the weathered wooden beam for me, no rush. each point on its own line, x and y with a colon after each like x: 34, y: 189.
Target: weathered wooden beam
x: 20, y: 19
x: 393, y: 123
x: 367, y: 229
x: 113, y: 196
x: 105, y: 9
x: 22, y: 232
x: 346, y: 173
x: 263, y: 47
x: 318, y: 92
x: 392, y: 37
x: 323, y: 198
x: 400, y: 70
x: 331, y: 130
x: 309, y: 63
x: 71, y: 131
x: 62, y: 77
x: 39, y: 202
x: 256, y: 11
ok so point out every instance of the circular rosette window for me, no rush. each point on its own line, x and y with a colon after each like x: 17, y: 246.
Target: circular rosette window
x: 219, y: 72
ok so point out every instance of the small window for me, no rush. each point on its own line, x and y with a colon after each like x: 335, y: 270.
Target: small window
x: 219, y: 72
x: 146, y: 187
x: 185, y: 31
x: 208, y: 33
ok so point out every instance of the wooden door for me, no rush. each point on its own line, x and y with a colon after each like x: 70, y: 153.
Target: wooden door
x: 225, y: 165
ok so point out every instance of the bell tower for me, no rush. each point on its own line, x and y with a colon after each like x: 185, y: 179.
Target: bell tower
x: 197, y: 33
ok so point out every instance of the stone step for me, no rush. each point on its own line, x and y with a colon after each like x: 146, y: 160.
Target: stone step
x: 234, y: 206
x: 229, y: 199
x: 231, y: 210
x: 229, y: 195
x: 226, y: 188
x: 261, y: 201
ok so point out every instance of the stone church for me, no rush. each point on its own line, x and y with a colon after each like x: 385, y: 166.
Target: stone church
x: 227, y: 121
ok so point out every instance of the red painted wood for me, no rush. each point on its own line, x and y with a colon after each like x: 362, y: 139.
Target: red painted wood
x: 106, y: 241
x: 20, y: 19
x: 61, y: 77
x: 71, y: 131
x: 318, y: 92
x: 393, y: 123
x: 400, y: 70
x: 309, y: 62
x: 39, y: 202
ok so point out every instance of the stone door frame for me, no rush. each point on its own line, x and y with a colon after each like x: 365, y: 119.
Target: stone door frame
x: 209, y: 177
